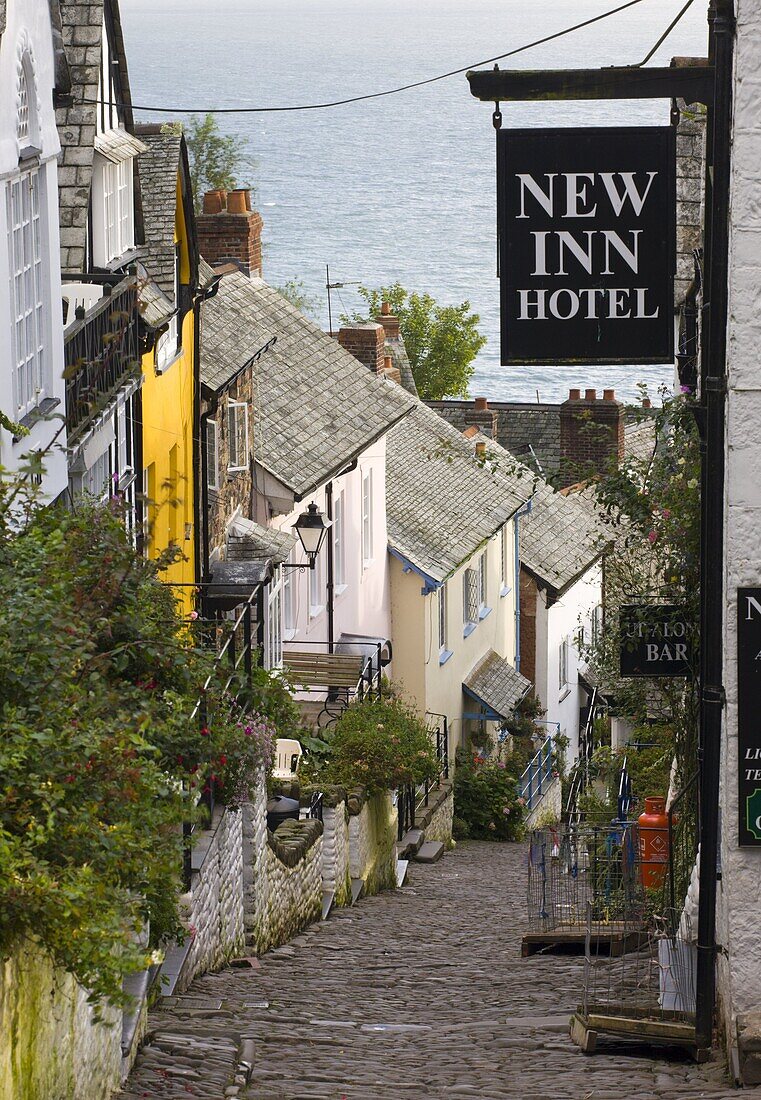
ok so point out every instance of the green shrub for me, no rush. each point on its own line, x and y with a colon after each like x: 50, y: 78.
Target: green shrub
x: 460, y: 829
x: 379, y: 745
x: 486, y: 799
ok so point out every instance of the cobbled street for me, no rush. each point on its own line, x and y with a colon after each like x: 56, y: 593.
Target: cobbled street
x: 420, y: 994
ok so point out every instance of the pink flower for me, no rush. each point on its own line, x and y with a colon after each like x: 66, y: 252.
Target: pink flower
x: 500, y: 764
x: 653, y: 535
x: 193, y: 615
x: 666, y: 513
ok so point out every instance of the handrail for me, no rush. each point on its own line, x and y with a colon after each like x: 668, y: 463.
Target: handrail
x: 539, y: 771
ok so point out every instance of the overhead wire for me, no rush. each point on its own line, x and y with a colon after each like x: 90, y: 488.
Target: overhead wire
x: 403, y: 87
x: 666, y: 33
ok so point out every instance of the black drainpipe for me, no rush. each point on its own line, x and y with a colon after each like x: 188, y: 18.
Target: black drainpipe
x: 713, y: 397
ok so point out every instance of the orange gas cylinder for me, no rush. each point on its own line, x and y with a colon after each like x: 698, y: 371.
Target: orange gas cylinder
x: 653, y: 842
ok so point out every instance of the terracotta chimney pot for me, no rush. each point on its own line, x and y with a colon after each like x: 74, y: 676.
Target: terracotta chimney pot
x: 213, y: 202
x: 609, y: 395
x: 239, y: 201
x: 590, y: 395
x: 388, y: 363
x: 480, y: 449
x: 385, y: 309
x: 574, y: 395
x: 481, y: 404
x: 646, y: 403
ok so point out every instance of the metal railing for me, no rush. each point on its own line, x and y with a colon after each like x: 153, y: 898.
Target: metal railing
x: 537, y: 776
x: 101, y: 351
x: 410, y: 799
x: 334, y: 698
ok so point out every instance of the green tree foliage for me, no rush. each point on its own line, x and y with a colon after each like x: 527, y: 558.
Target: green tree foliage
x: 101, y: 756
x: 294, y: 291
x: 441, y: 341
x: 215, y: 158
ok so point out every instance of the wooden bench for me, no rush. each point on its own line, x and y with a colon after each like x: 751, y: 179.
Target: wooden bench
x: 324, y: 670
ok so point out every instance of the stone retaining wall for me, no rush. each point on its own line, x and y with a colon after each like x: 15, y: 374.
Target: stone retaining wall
x: 549, y: 810
x: 372, y: 841
x: 50, y: 1046
x: 335, y: 853
x: 215, y: 905
x: 436, y: 818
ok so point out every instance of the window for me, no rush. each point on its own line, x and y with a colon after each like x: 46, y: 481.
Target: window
x: 95, y: 481
x: 28, y: 284
x: 113, y: 216
x: 274, y: 648
x: 173, y: 500
x: 470, y: 597
x: 482, y: 582
x: 237, y: 431
x: 316, y: 589
x: 289, y: 611
x: 339, y: 552
x: 170, y: 342
x: 367, y: 518
x: 596, y: 624
x: 149, y: 506
x: 563, y: 664
x: 506, y: 560
x: 442, y: 619
x: 212, y: 455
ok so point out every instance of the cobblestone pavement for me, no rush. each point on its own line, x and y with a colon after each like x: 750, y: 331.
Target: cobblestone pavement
x: 418, y: 994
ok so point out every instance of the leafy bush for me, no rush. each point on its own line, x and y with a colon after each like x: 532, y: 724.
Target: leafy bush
x: 486, y: 799
x: 100, y: 760
x: 379, y: 745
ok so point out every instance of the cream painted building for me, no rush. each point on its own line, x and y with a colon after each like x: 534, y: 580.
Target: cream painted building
x: 452, y: 545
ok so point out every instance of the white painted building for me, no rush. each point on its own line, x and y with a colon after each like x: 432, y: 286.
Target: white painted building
x: 33, y: 73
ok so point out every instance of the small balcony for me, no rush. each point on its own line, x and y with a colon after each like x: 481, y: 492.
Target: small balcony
x: 101, y: 348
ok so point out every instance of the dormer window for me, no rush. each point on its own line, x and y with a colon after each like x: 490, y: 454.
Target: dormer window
x: 113, y: 230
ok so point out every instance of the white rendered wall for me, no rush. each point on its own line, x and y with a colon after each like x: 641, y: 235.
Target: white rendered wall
x: 739, y: 931
x: 28, y: 22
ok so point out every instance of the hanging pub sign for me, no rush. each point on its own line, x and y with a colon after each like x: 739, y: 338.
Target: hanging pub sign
x: 748, y: 712
x: 587, y: 244
x: 656, y: 640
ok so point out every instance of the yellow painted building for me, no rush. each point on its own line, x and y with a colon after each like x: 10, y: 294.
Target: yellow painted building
x: 170, y: 369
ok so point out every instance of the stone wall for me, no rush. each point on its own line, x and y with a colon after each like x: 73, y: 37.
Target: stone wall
x: 438, y: 823
x: 50, y: 1046
x: 215, y: 905
x: 549, y: 809
x: 335, y: 853
x: 372, y: 841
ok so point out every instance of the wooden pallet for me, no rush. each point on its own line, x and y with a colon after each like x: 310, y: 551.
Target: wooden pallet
x: 668, y: 1029
x: 608, y: 939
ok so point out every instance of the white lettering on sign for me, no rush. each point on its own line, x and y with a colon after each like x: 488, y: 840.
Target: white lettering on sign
x: 753, y: 754
x: 753, y: 775
x: 577, y: 194
x: 677, y: 651
x: 752, y: 604
x: 599, y: 302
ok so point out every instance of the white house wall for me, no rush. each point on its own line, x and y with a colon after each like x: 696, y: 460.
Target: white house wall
x: 739, y: 976
x: 562, y: 621
x: 28, y: 22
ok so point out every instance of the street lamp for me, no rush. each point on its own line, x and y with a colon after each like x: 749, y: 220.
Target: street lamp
x: 311, y: 527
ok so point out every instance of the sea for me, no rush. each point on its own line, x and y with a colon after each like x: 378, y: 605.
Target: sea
x: 401, y: 187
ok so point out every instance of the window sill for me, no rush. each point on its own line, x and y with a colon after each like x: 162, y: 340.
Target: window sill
x: 566, y: 691
x: 339, y: 590
x: 468, y: 629
x: 162, y: 368
x: 367, y: 562
x: 315, y: 612
x: 39, y: 412
x: 444, y: 656
x: 505, y: 590
x: 289, y: 635
x: 237, y: 469
x: 483, y: 612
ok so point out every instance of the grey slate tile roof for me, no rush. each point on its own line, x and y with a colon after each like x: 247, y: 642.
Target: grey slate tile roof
x: 158, y: 167
x: 496, y: 683
x: 639, y: 441
x: 249, y: 541
x: 441, y: 504
x: 81, y: 30
x: 561, y: 537
x: 316, y: 406
x: 398, y: 352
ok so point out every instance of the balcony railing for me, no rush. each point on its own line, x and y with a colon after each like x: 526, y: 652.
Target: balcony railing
x: 102, y: 351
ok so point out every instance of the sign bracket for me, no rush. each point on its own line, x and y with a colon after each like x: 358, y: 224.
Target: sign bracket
x: 692, y: 82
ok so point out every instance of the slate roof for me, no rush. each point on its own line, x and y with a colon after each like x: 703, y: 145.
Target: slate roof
x: 561, y: 536
x: 316, y: 406
x: 441, y: 504
x: 639, y: 440
x: 398, y: 352
x: 158, y: 167
x: 82, y: 39
x: 497, y: 684
x: 249, y: 541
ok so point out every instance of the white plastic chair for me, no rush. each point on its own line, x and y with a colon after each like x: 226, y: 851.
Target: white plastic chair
x: 288, y: 753
x: 80, y: 294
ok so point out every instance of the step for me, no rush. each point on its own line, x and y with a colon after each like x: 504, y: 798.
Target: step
x: 357, y: 889
x: 410, y: 843
x: 401, y: 871
x: 430, y: 852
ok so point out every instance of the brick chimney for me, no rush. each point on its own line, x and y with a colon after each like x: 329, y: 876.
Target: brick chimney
x: 389, y: 321
x: 366, y: 343
x: 591, y: 435
x: 229, y: 231
x: 482, y: 417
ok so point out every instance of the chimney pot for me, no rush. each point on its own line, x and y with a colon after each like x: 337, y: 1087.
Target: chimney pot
x: 646, y: 403
x: 590, y: 395
x: 574, y: 395
x: 481, y: 404
x: 239, y: 201
x: 213, y: 202
x: 609, y: 395
x: 480, y: 449
x: 388, y: 363
x: 385, y: 309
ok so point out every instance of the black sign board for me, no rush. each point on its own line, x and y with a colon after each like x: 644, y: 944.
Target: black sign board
x: 749, y: 714
x: 587, y: 243
x: 656, y: 640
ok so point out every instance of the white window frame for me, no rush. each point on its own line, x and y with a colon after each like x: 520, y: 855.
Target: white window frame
x: 233, y: 440
x: 367, y: 518
x: 288, y: 602
x: 316, y: 589
x: 113, y: 205
x: 563, y: 664
x: 29, y: 287
x: 442, y: 610
x: 212, y: 454
x: 483, y: 583
x: 597, y: 621
x: 339, y: 544
x: 470, y: 590
x: 506, y: 561
x: 274, y: 622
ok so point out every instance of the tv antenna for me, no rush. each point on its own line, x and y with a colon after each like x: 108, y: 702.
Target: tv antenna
x: 334, y: 286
